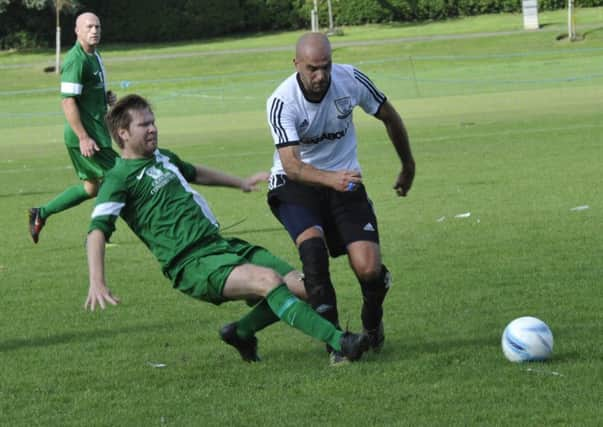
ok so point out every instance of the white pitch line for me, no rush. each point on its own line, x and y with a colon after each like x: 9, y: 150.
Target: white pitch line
x: 226, y: 153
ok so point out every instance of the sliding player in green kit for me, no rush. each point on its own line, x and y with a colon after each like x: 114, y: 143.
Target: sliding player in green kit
x: 149, y: 188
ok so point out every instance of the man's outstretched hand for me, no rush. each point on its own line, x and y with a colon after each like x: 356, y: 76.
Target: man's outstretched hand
x: 405, y: 179
x: 99, y: 295
x: 251, y: 183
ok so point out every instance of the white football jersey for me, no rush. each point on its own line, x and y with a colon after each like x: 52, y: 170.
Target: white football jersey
x: 324, y: 130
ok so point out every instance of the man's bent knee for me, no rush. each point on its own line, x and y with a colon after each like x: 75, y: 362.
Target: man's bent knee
x: 367, y: 272
x: 365, y: 260
x: 375, y: 289
x: 266, y: 280
x: 91, y: 187
x: 249, y: 281
x: 309, y: 234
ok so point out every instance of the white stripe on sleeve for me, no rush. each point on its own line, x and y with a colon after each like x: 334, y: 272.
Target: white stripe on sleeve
x: 71, y: 88
x: 109, y: 208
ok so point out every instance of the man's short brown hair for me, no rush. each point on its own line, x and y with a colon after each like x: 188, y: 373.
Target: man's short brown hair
x: 119, y: 116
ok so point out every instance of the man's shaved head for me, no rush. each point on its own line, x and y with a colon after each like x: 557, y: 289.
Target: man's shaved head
x: 311, y: 44
x: 88, y: 31
x: 84, y: 17
x: 313, y: 64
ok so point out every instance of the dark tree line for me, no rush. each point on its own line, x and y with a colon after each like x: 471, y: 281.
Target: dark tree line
x: 32, y: 23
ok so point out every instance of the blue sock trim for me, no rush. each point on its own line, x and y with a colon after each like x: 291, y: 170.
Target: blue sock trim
x: 288, y: 303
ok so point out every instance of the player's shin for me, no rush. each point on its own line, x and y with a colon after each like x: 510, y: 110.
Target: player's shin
x: 373, y: 294
x: 260, y: 316
x: 300, y: 315
x: 317, y: 280
x: 69, y: 198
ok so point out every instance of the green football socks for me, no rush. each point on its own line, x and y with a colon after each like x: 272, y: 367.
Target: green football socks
x: 260, y: 316
x: 72, y: 196
x: 300, y: 315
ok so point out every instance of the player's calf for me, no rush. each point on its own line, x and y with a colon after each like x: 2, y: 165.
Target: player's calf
x: 373, y: 295
x: 317, y: 279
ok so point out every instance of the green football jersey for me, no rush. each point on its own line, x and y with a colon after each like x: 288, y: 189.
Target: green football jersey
x: 83, y: 77
x: 154, y: 198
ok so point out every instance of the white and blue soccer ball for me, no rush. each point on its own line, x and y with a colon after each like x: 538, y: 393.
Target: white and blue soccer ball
x: 527, y: 339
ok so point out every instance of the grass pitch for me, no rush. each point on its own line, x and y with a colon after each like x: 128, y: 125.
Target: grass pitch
x: 506, y: 132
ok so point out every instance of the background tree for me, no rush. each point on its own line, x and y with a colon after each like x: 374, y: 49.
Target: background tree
x: 29, y: 23
x: 26, y: 23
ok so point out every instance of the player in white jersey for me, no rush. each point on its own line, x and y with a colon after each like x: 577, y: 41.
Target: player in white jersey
x: 316, y: 188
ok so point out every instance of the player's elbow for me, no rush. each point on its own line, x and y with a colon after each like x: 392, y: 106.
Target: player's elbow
x: 293, y: 170
x: 67, y: 104
x: 388, y: 114
x: 289, y: 170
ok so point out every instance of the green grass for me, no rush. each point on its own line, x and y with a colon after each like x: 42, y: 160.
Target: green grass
x: 506, y: 127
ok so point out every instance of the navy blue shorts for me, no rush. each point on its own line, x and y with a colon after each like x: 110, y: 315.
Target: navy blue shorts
x: 344, y: 217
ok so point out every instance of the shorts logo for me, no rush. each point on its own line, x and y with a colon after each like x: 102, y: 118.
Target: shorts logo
x: 344, y: 107
x: 368, y: 227
x: 304, y: 124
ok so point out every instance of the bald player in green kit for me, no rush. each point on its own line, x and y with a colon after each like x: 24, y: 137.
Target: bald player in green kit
x: 84, y: 102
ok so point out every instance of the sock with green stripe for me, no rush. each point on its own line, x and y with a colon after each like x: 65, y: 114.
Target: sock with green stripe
x: 301, y: 316
x: 69, y: 198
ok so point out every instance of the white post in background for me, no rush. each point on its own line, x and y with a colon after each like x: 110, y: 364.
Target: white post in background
x: 57, y: 61
x: 314, y: 17
x: 331, y: 27
x: 530, y: 14
x: 571, y: 21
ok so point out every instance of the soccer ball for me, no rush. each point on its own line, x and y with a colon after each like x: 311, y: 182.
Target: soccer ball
x: 527, y: 339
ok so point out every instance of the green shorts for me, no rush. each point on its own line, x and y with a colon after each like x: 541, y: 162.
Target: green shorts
x: 203, y: 273
x: 92, y: 168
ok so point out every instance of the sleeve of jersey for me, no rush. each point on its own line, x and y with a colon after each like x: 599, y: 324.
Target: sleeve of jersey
x: 281, y: 120
x: 187, y: 170
x: 369, y: 97
x: 110, y: 201
x: 71, y: 79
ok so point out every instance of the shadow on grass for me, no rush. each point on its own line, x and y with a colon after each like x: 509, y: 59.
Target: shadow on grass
x: 398, y: 348
x: 79, y: 336
x: 24, y: 193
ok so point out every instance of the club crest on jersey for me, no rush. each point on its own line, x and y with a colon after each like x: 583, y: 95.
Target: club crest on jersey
x: 153, y: 172
x: 344, y: 107
x: 101, y: 79
x: 160, y: 178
